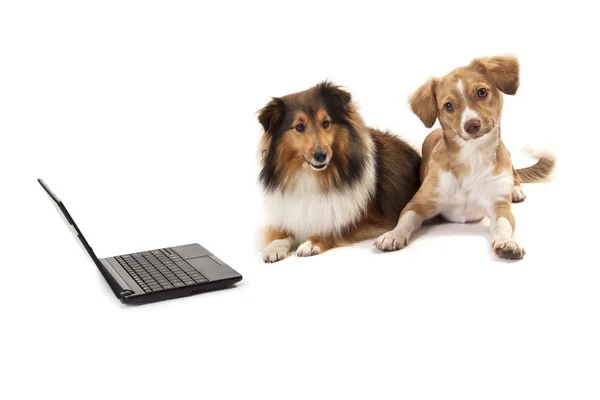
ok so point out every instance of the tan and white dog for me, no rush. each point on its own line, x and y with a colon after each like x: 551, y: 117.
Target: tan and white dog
x: 466, y: 171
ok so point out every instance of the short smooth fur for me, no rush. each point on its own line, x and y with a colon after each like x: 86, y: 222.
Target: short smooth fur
x: 466, y: 171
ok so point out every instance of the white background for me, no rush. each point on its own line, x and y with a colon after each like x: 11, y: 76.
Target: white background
x: 141, y: 116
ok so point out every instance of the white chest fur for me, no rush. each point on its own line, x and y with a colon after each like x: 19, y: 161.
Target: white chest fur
x: 306, y: 210
x: 473, y: 196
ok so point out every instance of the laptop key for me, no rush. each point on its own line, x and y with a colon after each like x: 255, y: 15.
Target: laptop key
x: 185, y: 266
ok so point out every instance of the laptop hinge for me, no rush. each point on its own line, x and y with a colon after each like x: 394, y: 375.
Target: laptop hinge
x: 117, y: 284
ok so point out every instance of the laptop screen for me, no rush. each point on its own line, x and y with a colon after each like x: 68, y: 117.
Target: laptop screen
x: 66, y: 217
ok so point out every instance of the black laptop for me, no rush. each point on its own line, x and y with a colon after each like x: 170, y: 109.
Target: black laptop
x: 159, y: 274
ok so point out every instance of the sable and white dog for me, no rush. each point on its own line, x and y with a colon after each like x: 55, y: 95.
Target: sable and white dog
x: 466, y: 170
x: 328, y: 179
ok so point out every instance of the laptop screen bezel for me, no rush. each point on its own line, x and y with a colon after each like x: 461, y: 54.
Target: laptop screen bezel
x: 71, y: 223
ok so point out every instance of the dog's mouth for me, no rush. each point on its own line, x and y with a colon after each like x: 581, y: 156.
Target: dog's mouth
x: 490, y: 130
x: 474, y: 136
x: 317, y: 166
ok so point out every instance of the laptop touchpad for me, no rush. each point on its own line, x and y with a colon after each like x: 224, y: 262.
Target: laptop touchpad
x: 191, y: 251
x: 211, y: 269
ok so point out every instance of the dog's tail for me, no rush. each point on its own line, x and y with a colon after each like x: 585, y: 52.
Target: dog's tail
x: 541, y: 169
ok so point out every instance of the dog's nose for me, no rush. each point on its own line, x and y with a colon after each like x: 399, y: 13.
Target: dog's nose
x: 320, y: 155
x: 472, y: 126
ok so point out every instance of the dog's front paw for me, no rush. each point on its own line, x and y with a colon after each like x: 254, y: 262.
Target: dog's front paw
x: 307, y: 249
x: 391, y: 241
x: 509, y: 250
x: 517, y: 194
x: 276, y: 250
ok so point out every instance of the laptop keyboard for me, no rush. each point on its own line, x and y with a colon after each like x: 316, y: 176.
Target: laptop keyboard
x: 160, y: 269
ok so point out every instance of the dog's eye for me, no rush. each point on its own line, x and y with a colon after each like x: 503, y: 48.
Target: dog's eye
x: 481, y: 93
x: 449, y: 107
x: 325, y: 124
x: 300, y: 128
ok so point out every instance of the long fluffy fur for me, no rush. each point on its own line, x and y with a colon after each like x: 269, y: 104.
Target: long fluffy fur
x: 370, y: 177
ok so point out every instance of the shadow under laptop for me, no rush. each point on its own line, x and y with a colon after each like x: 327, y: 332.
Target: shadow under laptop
x: 197, y: 294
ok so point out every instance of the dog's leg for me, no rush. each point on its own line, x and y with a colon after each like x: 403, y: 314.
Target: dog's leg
x: 420, y: 208
x: 316, y: 245
x: 502, y: 226
x: 517, y: 193
x: 280, y: 245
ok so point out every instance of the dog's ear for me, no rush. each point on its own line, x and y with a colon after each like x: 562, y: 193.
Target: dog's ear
x: 271, y: 115
x: 336, y: 99
x: 423, y: 104
x: 502, y: 70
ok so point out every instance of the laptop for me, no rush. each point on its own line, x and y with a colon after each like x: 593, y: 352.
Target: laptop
x: 159, y: 274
